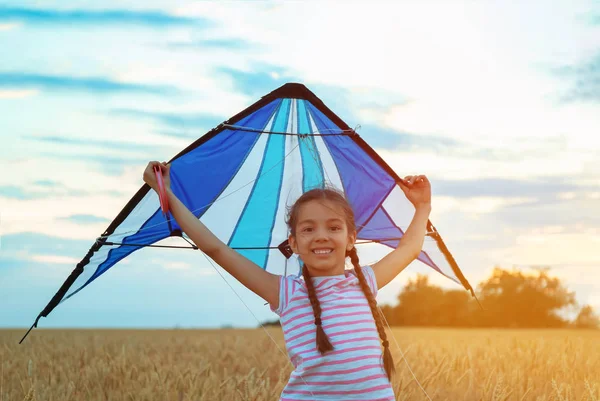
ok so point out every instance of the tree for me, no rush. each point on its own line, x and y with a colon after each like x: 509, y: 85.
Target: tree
x: 418, y: 303
x: 516, y: 299
x: 587, y: 319
x: 268, y: 323
x: 424, y: 304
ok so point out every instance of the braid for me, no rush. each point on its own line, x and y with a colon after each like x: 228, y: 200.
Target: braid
x: 388, y: 361
x: 323, y: 344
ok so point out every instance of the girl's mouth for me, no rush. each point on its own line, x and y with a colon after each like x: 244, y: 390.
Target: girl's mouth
x: 322, y: 251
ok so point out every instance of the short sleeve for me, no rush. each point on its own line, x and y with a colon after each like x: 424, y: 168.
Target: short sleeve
x: 371, y: 279
x: 287, y: 287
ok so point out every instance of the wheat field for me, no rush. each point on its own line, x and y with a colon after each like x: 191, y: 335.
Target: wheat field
x: 246, y: 364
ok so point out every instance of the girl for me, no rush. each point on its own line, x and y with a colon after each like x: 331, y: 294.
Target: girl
x: 329, y: 317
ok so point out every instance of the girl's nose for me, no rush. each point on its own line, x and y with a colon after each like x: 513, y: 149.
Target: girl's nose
x: 321, y: 235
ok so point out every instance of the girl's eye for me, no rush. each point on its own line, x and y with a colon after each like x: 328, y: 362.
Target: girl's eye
x: 336, y: 228
x: 307, y: 229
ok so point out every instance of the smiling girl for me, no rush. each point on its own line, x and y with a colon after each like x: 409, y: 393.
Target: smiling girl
x: 332, y: 328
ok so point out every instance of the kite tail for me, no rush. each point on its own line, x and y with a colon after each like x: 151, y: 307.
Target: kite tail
x: 66, y: 285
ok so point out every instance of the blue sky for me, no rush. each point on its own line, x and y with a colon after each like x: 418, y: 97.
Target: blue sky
x: 498, y: 104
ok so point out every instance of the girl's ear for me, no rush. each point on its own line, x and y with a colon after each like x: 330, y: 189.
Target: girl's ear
x: 293, y: 244
x: 351, y: 240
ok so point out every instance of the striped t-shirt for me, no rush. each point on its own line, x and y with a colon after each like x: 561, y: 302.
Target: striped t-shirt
x: 353, y: 370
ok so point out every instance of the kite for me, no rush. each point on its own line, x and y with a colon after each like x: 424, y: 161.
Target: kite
x: 240, y: 177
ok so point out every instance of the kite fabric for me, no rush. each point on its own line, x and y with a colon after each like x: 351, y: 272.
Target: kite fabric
x: 240, y: 178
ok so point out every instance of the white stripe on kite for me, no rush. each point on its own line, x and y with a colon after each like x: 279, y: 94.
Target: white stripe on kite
x: 223, y: 215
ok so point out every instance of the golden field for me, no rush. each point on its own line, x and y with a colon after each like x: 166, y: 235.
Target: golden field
x: 235, y: 364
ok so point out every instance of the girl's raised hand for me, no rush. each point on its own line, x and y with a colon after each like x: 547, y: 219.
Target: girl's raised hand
x: 417, y: 189
x: 150, y: 176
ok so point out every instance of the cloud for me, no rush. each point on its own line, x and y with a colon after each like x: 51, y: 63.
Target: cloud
x: 258, y: 81
x: 8, y: 27
x: 54, y: 259
x: 110, y: 156
x: 110, y: 165
x: 519, y: 203
x: 574, y: 214
x: 213, y: 44
x: 85, y: 219
x: 585, y: 80
x: 543, y: 187
x: 24, y: 244
x: 391, y: 139
x: 17, y: 93
x: 47, y: 183
x: 96, y: 85
x: 179, y: 121
x: 177, y: 265
x: 28, y: 193
x: 149, y: 18
x: 96, y: 144
x: 12, y: 191
x: 181, y: 134
x: 444, y: 91
x: 351, y: 104
x: 38, y: 190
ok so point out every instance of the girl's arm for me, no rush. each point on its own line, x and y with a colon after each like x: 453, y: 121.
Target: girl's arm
x: 258, y: 280
x: 418, y: 191
x: 408, y: 249
x: 252, y: 276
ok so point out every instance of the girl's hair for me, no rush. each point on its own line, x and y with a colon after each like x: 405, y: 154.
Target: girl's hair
x: 338, y: 198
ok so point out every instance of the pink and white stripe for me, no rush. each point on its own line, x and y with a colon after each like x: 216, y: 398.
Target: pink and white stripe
x: 354, y: 369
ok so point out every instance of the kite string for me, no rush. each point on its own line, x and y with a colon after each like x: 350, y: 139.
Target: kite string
x: 252, y: 313
x: 402, y: 354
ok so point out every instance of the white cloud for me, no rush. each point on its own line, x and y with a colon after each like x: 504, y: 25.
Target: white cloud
x: 567, y: 195
x: 73, y: 175
x: 54, y: 259
x: 17, y: 93
x: 499, y: 123
x: 9, y: 26
x: 543, y: 247
x: 474, y: 205
x: 176, y: 265
x: 462, y: 79
x: 455, y: 165
x: 47, y: 215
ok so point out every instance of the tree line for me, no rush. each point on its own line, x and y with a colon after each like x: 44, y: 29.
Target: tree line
x: 507, y: 299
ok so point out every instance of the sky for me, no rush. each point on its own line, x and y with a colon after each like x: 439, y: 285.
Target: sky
x: 498, y: 103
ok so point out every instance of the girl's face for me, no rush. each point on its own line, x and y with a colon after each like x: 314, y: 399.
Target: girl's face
x: 322, y: 237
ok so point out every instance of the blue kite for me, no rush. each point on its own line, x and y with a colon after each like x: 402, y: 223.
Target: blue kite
x: 240, y: 177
